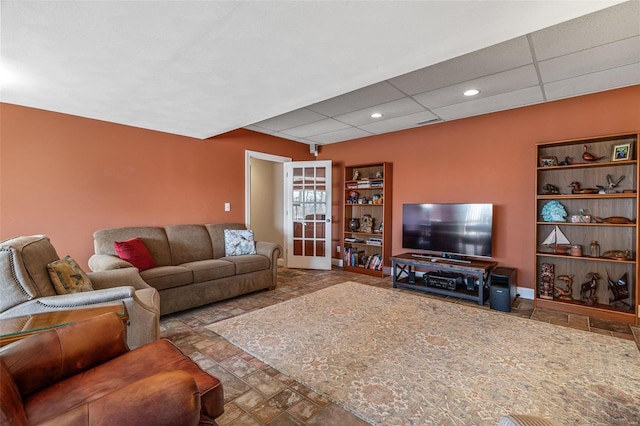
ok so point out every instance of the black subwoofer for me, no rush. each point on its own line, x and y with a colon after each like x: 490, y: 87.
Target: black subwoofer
x: 503, y: 289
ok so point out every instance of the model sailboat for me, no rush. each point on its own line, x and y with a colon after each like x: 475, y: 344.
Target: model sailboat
x: 557, y: 241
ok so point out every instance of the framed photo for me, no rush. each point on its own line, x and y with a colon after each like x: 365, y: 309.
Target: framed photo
x: 548, y: 161
x: 621, y: 152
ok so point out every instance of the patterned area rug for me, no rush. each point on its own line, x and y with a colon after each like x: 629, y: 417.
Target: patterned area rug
x: 397, y: 358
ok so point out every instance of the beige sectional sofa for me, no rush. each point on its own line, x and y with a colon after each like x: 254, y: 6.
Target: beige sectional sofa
x: 191, y: 267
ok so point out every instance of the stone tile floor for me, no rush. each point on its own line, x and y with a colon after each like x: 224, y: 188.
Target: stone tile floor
x: 256, y: 394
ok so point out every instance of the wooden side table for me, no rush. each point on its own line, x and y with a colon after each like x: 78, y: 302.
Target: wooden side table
x: 13, y: 329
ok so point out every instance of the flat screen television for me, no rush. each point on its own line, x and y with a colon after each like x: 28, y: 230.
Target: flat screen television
x: 449, y: 230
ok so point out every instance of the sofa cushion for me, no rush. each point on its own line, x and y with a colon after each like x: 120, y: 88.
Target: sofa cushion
x: 162, y: 277
x: 238, y: 242
x: 154, y: 238
x: 68, y: 277
x: 135, y: 252
x: 216, y: 233
x: 188, y: 243
x: 248, y: 263
x: 211, y: 269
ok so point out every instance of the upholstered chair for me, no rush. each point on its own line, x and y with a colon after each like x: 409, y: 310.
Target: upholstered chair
x: 84, y: 374
x: 26, y: 288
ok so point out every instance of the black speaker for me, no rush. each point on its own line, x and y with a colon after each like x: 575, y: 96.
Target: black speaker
x: 412, y: 277
x: 502, y: 289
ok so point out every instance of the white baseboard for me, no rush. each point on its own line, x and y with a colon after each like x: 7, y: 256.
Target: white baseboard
x: 525, y: 293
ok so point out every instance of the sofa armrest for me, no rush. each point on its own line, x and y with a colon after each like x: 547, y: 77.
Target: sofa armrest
x: 86, y: 298
x: 106, y: 262
x: 272, y: 250
x: 117, y: 278
x: 46, y: 358
x: 168, y: 398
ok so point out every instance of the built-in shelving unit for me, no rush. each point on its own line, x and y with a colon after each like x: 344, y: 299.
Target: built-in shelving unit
x: 605, y: 285
x: 367, y: 198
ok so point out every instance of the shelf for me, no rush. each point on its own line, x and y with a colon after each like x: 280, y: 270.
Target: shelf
x: 587, y: 165
x: 598, y: 310
x: 594, y: 259
x: 621, y: 225
x: 357, y: 254
x: 549, y: 266
x: 585, y: 196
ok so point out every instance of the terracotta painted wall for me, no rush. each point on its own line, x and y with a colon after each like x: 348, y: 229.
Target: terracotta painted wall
x: 66, y: 176
x: 489, y: 158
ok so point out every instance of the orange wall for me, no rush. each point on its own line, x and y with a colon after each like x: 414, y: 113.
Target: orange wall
x: 489, y: 158
x: 66, y: 176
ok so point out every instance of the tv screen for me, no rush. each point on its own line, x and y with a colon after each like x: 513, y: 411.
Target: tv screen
x: 449, y: 229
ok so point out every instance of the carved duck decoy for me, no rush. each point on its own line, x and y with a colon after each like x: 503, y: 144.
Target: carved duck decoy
x: 587, y: 156
x: 577, y: 190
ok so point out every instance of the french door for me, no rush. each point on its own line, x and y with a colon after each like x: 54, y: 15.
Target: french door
x: 308, y: 214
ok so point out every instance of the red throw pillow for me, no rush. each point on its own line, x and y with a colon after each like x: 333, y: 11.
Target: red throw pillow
x: 135, y: 252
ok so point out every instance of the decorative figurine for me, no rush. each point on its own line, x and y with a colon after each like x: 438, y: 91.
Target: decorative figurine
x: 554, y: 211
x: 588, y: 289
x: 577, y: 190
x: 379, y: 174
x: 363, y: 200
x: 353, y: 197
x: 546, y: 280
x: 620, y: 289
x: 366, y: 223
x: 588, y: 156
x: 617, y: 254
x: 566, y: 162
x: 557, y: 241
x: 612, y: 183
x: 562, y: 293
x: 356, y: 175
x: 376, y: 199
x: 613, y: 219
x: 354, y: 224
x: 550, y: 189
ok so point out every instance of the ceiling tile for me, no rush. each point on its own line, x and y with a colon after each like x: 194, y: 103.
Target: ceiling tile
x: 599, y: 58
x: 399, y: 123
x: 595, y: 82
x: 606, y: 26
x: 291, y: 119
x: 515, y: 99
x: 492, y: 85
x: 507, y: 55
x: 393, y: 109
x: 339, y: 136
x: 358, y: 99
x: 316, y: 128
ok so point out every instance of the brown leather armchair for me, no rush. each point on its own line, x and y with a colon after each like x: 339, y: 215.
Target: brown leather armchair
x: 84, y: 374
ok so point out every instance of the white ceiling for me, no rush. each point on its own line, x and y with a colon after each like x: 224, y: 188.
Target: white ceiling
x: 309, y: 71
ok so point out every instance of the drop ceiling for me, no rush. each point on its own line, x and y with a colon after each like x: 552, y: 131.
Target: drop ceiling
x: 309, y: 71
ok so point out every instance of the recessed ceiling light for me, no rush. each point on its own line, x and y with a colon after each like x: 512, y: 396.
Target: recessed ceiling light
x: 376, y: 115
x: 471, y: 92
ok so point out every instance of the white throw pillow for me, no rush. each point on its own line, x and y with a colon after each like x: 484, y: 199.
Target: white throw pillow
x: 238, y: 242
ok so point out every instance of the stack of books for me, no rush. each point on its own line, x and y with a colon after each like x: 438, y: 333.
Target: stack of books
x: 375, y: 241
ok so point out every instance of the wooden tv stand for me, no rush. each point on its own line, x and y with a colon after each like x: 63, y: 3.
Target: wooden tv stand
x: 442, y: 272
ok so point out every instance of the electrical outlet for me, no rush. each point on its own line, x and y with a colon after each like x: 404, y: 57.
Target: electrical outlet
x: 227, y: 207
x: 338, y: 249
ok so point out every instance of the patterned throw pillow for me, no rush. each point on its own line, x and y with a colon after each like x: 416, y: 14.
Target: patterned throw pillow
x: 67, y: 276
x: 238, y: 242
